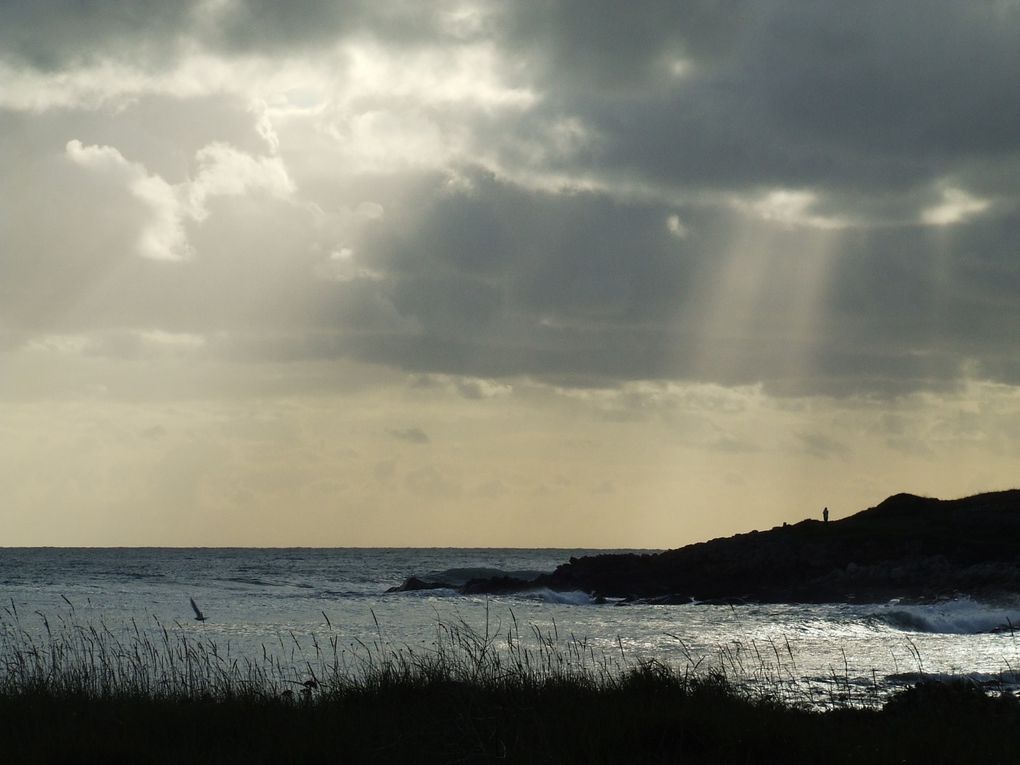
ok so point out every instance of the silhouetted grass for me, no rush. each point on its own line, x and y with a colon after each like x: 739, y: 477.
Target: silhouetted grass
x: 163, y: 695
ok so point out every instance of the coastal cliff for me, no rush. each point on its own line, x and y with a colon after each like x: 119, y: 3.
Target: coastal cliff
x: 908, y: 547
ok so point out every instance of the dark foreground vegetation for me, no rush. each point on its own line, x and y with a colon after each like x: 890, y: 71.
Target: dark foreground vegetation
x: 646, y: 717
x: 86, y: 694
x: 909, y: 547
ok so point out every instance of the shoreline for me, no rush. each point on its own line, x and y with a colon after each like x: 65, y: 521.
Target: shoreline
x: 916, y: 549
x: 474, y: 696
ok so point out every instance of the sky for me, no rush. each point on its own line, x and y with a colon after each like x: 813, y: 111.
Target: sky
x: 568, y: 273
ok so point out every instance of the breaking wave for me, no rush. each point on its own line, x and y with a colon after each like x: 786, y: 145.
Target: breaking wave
x: 1005, y: 679
x: 574, y: 598
x: 963, y: 616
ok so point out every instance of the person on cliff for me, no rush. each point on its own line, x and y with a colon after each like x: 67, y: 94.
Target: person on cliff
x: 825, y: 515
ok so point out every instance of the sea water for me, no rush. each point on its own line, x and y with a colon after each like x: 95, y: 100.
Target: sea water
x: 285, y: 601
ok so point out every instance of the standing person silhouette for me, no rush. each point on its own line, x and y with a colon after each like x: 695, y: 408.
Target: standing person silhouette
x: 825, y: 515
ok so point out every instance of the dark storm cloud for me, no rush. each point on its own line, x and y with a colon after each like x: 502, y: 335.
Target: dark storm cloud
x: 871, y: 96
x: 261, y: 25
x: 500, y: 281
x: 691, y: 111
x: 604, y: 42
x: 48, y: 34
x: 866, y: 96
x: 870, y: 105
x: 930, y: 295
x: 575, y: 256
x: 604, y: 46
x: 918, y: 79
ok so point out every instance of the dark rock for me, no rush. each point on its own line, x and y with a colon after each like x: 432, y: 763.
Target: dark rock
x: 908, y: 547
x: 413, y: 583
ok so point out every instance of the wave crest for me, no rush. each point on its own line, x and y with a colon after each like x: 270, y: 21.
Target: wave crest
x: 574, y: 598
x: 963, y: 616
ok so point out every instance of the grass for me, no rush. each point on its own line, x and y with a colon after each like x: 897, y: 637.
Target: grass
x: 161, y: 694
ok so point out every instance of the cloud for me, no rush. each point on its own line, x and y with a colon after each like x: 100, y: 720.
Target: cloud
x: 822, y: 446
x: 163, y: 238
x: 225, y: 171
x: 411, y: 435
x: 956, y: 206
x: 698, y: 247
x: 734, y: 193
x: 790, y: 207
x: 222, y: 171
x: 477, y: 389
x: 119, y: 344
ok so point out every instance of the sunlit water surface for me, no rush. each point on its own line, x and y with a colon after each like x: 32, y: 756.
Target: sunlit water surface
x: 285, y: 601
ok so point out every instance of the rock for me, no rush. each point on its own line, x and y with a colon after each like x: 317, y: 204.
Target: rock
x: 908, y: 547
x: 413, y: 583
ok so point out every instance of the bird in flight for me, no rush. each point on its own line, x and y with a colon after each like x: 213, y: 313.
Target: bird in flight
x: 199, y: 616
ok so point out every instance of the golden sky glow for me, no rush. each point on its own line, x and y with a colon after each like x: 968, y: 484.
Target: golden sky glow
x: 489, y: 274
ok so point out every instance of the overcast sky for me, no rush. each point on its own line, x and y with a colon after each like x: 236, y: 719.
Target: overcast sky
x: 572, y: 273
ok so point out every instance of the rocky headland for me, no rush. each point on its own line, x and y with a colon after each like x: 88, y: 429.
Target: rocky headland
x: 909, y: 547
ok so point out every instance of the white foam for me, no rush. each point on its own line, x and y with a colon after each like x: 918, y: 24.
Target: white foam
x: 962, y: 616
x: 1006, y: 678
x: 432, y: 592
x: 574, y: 598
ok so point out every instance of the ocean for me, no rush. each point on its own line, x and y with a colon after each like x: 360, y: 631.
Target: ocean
x: 288, y: 602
